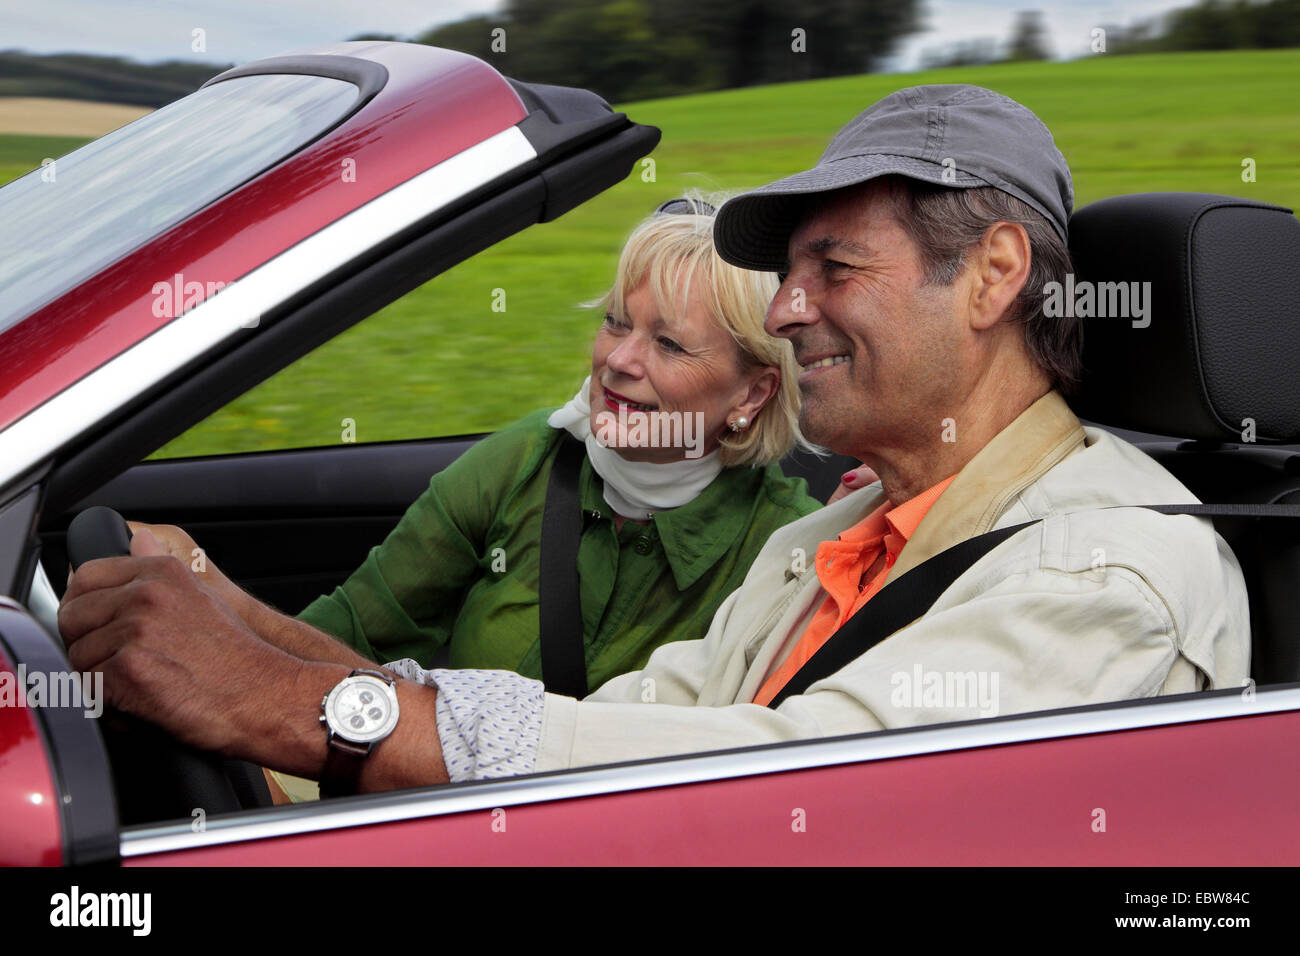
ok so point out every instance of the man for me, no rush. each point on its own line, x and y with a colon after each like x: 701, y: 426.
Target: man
x: 916, y: 252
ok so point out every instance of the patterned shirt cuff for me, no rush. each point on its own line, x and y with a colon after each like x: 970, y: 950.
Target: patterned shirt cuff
x: 490, y: 722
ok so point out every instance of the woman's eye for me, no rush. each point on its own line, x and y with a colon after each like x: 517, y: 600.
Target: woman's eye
x: 669, y: 344
x: 611, y: 322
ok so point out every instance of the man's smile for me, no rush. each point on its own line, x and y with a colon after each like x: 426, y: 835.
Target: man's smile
x: 814, y: 365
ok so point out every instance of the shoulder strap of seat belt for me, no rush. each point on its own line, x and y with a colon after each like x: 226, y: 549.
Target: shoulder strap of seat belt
x: 564, y: 663
x: 901, y: 602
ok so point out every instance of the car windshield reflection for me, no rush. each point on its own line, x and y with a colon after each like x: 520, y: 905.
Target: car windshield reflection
x: 72, y: 217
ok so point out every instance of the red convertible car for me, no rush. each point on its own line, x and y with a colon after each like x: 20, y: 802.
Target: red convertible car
x: 289, y: 199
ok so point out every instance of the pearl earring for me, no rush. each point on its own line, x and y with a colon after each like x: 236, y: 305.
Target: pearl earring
x: 739, y: 425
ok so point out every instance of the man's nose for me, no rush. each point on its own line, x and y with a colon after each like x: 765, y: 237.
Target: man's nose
x: 792, y: 308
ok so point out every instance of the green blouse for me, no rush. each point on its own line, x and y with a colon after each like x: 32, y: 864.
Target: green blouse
x: 462, y: 564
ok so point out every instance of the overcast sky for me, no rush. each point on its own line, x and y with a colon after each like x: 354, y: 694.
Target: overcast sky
x: 242, y: 30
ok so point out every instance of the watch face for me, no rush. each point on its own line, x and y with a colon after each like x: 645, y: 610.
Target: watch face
x: 362, y: 709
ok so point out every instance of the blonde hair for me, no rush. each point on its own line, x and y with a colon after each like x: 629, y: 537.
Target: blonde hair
x: 667, y: 250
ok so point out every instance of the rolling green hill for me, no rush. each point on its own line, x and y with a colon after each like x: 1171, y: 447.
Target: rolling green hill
x: 440, y: 361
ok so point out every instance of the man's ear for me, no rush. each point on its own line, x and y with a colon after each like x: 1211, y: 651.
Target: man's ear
x: 1001, y: 269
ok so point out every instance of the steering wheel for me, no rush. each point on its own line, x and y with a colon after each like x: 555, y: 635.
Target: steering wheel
x: 157, y: 777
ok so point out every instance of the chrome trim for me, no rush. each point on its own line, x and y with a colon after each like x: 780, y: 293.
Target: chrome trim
x: 238, y: 307
x: 775, y: 758
x: 43, y: 603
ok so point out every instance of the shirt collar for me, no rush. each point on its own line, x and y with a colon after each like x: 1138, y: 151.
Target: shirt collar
x: 898, y: 523
x: 904, y: 518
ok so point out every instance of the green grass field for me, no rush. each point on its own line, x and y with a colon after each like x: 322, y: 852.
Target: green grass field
x: 21, y: 154
x: 440, y: 361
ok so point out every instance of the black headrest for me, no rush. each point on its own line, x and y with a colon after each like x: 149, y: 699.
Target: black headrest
x: 1222, y: 347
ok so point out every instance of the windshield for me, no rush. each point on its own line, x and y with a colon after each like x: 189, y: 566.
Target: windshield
x: 71, y: 218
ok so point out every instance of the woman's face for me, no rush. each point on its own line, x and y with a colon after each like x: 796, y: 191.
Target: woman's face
x: 664, y: 389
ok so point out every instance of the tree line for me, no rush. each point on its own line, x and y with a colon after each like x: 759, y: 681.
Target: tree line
x: 640, y: 49
x: 1212, y: 25
x: 108, y: 79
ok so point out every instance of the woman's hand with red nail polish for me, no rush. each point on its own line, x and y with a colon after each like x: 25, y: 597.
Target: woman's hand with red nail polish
x: 851, y: 481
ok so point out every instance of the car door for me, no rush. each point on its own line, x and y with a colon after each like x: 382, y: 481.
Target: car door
x: 1173, y: 781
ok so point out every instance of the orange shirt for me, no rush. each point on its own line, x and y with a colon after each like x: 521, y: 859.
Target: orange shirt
x: 852, y: 569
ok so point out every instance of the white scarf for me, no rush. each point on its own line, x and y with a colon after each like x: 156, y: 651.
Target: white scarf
x: 635, y: 489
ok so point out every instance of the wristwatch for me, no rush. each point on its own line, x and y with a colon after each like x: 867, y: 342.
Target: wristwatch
x: 358, y: 713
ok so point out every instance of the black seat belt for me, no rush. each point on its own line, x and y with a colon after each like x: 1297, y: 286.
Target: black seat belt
x: 564, y: 660
x: 904, y: 600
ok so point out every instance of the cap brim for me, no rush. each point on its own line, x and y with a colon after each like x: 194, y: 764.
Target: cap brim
x: 753, y: 230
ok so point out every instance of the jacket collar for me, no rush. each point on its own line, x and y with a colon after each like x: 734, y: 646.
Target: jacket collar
x: 1040, y: 437
x: 697, y: 534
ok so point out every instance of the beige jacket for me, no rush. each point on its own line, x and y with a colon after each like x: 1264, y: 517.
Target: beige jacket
x: 1084, y: 607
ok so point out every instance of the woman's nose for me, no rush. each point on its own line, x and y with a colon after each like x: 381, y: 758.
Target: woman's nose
x: 627, y: 358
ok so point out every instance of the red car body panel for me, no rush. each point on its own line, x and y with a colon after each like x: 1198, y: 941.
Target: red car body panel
x: 1177, y: 795
x: 436, y: 104
x: 32, y: 828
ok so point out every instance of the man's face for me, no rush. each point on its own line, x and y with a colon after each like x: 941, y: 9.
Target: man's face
x: 881, y: 351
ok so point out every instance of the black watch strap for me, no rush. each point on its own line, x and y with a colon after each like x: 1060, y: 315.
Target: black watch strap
x: 343, y: 765
x: 345, y: 759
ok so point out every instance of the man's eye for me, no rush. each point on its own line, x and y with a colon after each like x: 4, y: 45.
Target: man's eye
x: 831, y: 264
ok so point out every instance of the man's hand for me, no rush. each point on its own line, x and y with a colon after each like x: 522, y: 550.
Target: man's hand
x: 851, y: 481
x: 279, y: 630
x: 181, y: 546
x: 171, y: 650
x: 174, y: 653
x: 178, y: 543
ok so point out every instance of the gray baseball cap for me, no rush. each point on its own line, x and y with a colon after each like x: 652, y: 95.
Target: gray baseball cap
x: 989, y: 139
